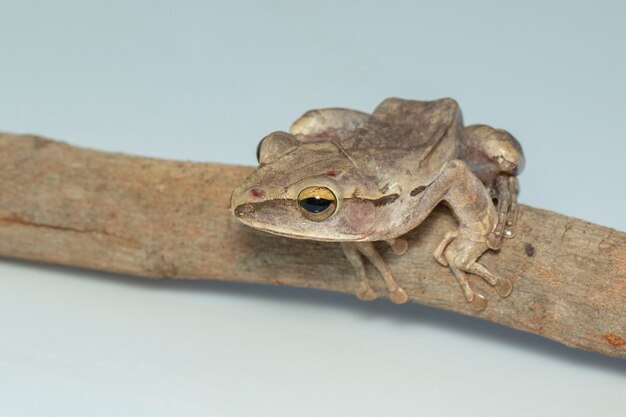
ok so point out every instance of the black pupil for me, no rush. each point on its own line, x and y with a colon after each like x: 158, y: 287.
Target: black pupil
x: 315, y: 204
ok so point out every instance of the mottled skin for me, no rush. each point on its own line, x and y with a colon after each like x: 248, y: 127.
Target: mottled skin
x: 388, y: 171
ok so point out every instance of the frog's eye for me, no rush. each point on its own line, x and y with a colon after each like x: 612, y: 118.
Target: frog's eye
x: 317, y: 203
x: 272, y: 146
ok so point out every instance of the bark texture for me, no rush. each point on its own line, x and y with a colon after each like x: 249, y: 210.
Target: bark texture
x: 156, y: 218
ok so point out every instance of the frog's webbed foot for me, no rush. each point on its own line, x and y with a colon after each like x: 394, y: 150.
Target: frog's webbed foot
x: 505, y: 189
x: 461, y: 256
x: 353, y: 252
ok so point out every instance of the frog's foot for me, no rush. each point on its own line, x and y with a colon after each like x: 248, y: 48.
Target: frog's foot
x: 504, y: 287
x: 505, y: 190
x: 353, y: 251
x: 399, y: 245
x: 462, y: 258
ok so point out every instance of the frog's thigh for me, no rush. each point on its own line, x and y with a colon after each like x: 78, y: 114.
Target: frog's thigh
x: 332, y: 121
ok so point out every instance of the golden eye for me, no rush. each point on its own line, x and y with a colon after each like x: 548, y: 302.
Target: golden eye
x: 317, y: 203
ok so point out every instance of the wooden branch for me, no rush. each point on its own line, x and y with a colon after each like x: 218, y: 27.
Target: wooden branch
x: 156, y: 218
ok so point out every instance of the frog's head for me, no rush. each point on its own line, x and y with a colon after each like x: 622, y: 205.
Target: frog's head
x: 307, y: 190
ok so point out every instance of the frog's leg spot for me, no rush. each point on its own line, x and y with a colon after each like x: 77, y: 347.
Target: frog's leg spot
x: 396, y: 293
x: 365, y: 291
x: 399, y: 245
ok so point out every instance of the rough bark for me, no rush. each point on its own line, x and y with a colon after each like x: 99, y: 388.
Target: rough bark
x: 156, y: 218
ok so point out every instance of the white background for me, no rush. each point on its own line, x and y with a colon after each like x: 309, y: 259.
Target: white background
x: 203, y: 81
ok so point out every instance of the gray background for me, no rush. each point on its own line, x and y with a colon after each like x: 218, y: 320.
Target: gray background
x: 203, y: 81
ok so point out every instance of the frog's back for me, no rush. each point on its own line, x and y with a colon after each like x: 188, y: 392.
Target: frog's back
x: 406, y: 135
x: 412, y: 125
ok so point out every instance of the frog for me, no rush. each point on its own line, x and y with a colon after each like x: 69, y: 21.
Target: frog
x: 356, y: 178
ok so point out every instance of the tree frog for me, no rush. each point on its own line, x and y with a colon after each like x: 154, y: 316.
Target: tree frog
x: 346, y: 176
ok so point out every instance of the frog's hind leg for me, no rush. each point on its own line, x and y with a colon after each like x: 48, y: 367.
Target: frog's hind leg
x: 496, y: 157
x: 353, y: 251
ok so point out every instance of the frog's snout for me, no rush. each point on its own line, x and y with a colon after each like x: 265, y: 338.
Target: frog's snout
x: 243, y: 210
x: 236, y: 202
x: 242, y: 200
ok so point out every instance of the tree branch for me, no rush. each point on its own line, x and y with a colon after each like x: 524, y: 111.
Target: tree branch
x: 156, y: 218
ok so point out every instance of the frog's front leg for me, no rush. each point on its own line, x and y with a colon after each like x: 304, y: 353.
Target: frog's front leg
x: 365, y: 291
x: 353, y: 252
x: 496, y: 157
x: 460, y: 249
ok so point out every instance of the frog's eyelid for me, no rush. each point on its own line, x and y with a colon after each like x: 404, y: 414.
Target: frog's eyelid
x: 283, y: 144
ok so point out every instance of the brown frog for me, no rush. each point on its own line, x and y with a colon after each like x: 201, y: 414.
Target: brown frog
x: 351, y: 177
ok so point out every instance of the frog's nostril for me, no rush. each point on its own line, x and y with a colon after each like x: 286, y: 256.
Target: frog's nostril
x: 244, y: 209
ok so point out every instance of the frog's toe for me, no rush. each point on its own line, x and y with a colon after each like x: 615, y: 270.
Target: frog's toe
x: 439, y: 251
x: 366, y: 294
x: 399, y: 245
x: 399, y: 296
x: 494, y: 241
x: 504, y: 287
x: 509, y: 233
x: 441, y: 260
x: 478, y: 302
